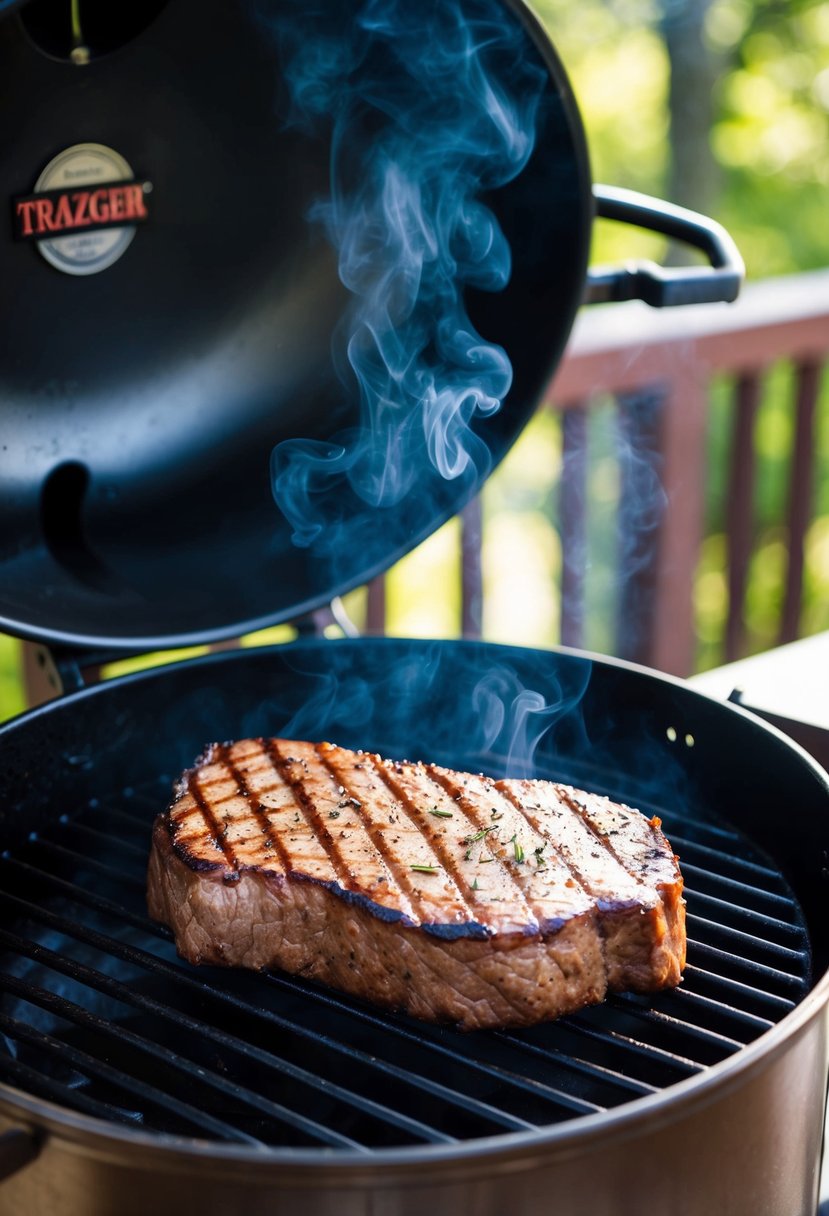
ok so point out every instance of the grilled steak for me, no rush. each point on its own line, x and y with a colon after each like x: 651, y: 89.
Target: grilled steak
x: 451, y: 896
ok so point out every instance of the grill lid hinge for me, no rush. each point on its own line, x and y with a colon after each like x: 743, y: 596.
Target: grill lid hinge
x: 52, y: 671
x: 314, y: 624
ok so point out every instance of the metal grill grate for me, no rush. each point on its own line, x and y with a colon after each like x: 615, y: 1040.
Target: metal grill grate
x: 98, y: 1014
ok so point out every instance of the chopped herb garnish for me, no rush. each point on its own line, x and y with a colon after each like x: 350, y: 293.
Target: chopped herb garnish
x: 475, y: 886
x: 441, y: 814
x: 425, y: 869
x: 485, y: 860
x: 519, y: 852
x: 333, y: 814
x: 479, y: 835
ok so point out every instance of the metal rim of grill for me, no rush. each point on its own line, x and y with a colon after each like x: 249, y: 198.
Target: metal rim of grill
x: 189, y: 1044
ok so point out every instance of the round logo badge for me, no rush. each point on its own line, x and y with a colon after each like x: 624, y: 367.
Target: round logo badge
x: 80, y: 173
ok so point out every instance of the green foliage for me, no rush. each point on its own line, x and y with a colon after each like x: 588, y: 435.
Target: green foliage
x: 770, y: 62
x: 11, y: 693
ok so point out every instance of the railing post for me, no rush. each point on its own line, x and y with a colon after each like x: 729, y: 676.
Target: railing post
x: 573, y: 523
x: 801, y: 477
x: 376, y: 606
x: 640, y: 518
x: 740, y: 509
x: 472, y: 582
x: 683, y: 425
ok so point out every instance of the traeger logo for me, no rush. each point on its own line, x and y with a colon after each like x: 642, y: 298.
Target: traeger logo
x: 83, y: 210
x: 67, y: 211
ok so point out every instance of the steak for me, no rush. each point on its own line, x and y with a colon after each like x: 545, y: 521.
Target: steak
x: 450, y: 896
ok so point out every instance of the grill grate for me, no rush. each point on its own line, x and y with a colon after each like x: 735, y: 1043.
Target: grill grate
x: 98, y: 1014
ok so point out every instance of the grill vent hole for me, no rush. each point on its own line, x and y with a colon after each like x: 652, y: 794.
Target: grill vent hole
x: 61, y: 521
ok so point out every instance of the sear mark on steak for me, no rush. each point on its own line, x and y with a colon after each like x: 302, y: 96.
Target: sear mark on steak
x: 450, y: 896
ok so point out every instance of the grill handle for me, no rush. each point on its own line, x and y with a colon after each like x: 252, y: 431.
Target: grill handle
x: 661, y: 286
x: 18, y: 1147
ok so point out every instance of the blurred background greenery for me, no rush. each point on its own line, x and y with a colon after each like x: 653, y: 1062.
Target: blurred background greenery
x: 720, y: 105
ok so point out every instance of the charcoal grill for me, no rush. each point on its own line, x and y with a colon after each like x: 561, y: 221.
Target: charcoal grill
x: 131, y: 1082
x: 135, y: 1066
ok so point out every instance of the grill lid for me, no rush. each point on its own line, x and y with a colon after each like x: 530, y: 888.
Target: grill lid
x: 144, y: 401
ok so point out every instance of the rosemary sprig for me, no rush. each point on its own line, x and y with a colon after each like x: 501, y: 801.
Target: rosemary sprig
x: 441, y: 814
x: 480, y: 835
x: 425, y: 869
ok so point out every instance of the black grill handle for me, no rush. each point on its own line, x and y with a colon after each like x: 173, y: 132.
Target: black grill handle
x: 661, y: 286
x: 18, y: 1147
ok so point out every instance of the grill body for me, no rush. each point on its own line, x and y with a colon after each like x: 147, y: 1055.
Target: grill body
x: 751, y: 1146
x: 726, y: 1077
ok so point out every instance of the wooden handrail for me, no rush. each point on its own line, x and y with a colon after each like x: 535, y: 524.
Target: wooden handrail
x: 620, y: 347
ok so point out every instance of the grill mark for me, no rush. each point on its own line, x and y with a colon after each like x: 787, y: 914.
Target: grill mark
x: 436, y: 846
x: 576, y: 875
x: 564, y: 794
x: 534, y: 823
x: 312, y: 816
x: 219, y: 802
x: 456, y: 791
x: 396, y: 870
x: 196, y: 793
x: 270, y: 837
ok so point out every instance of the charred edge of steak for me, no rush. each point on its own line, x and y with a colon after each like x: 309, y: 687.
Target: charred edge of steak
x: 469, y: 982
x: 440, y: 929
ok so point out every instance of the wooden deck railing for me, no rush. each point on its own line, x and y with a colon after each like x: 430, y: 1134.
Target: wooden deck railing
x: 658, y: 368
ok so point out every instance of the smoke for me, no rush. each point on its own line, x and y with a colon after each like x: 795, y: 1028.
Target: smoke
x: 642, y: 507
x: 612, y: 506
x: 444, y: 702
x: 514, y: 719
x: 482, y: 707
x: 425, y: 107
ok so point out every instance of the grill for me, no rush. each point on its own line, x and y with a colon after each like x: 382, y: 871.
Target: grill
x: 99, y: 1015
x: 137, y: 495
x: 140, y: 1067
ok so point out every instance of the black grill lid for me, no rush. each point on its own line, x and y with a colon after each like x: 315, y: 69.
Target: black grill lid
x: 141, y: 405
